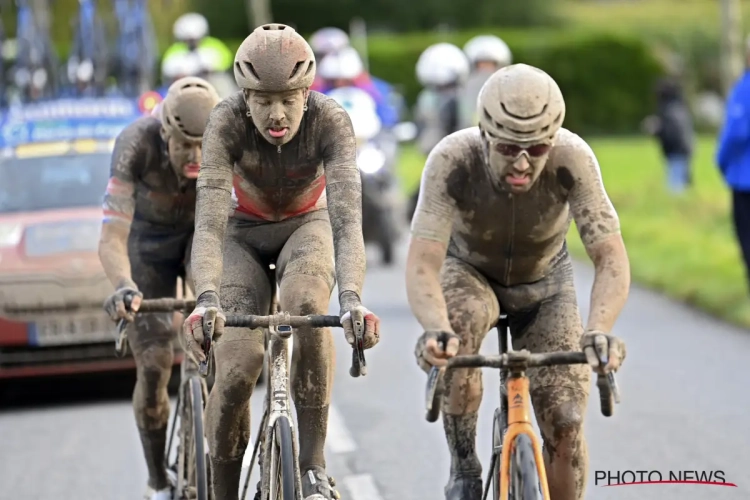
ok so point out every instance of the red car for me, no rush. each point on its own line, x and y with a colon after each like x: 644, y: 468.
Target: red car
x: 52, y: 285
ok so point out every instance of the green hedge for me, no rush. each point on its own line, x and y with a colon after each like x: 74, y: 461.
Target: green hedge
x: 607, y: 80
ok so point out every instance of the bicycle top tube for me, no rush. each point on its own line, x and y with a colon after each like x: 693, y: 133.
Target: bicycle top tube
x: 518, y: 358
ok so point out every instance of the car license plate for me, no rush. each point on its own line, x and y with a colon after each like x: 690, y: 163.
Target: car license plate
x: 48, y: 239
x: 72, y: 330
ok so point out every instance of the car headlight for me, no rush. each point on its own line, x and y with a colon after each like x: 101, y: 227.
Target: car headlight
x: 370, y: 160
x: 10, y: 235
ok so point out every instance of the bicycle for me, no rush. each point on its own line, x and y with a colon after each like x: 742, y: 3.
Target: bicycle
x: 519, y: 474
x: 190, y: 465
x: 280, y: 474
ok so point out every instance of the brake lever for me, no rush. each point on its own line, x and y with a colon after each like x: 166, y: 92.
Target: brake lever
x: 359, y: 365
x: 121, y: 342
x: 203, y: 366
x: 434, y: 393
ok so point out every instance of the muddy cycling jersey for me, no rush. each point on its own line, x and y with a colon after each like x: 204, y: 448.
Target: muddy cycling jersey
x: 511, y: 239
x: 317, y: 169
x: 143, y: 185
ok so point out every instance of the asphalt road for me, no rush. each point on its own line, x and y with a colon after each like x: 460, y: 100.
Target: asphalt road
x: 685, y: 407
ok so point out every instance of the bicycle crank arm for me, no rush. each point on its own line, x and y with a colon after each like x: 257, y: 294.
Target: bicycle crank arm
x: 359, y: 365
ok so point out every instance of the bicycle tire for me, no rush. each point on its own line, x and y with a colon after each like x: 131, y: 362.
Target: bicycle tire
x: 282, y: 439
x: 497, y: 442
x: 201, y: 475
x: 524, y: 475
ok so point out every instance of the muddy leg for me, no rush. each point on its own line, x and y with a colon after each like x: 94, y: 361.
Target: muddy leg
x: 151, y: 341
x: 472, y: 310
x: 560, y: 394
x: 239, y: 359
x: 306, y: 272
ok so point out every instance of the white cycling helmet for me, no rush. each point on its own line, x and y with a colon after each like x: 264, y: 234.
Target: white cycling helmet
x: 190, y: 26
x: 442, y: 64
x: 488, y: 48
x: 362, y: 110
x: 342, y: 65
x: 327, y: 40
x: 520, y: 104
x: 179, y: 65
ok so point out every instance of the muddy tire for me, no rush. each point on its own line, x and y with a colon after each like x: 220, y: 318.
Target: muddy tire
x: 524, y: 475
x: 282, y: 462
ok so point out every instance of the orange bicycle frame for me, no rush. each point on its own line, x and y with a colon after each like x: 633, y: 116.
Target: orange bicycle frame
x: 519, y: 422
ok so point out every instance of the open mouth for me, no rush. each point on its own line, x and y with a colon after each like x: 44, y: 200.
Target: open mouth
x: 191, y: 169
x: 278, y: 132
x: 517, y: 179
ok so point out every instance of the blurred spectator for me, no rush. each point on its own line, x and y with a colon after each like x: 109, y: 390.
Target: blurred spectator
x: 673, y: 127
x: 191, y: 32
x: 344, y: 68
x: 733, y: 158
x: 486, y: 54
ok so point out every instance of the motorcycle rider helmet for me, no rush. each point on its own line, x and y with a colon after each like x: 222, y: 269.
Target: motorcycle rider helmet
x: 328, y: 40
x: 442, y: 64
x: 488, y: 48
x: 190, y: 27
x: 520, y: 104
x: 274, y: 58
x: 342, y: 65
x: 362, y: 110
x: 185, y: 109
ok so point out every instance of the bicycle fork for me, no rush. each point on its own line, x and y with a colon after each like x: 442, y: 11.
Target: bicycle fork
x: 278, y: 402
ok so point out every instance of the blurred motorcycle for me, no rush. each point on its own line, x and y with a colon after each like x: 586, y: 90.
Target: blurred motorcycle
x: 377, y: 150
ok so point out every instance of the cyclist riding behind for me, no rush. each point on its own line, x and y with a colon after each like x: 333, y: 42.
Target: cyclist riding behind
x: 147, y: 230
x: 191, y: 32
x: 486, y: 54
x: 280, y: 158
x: 488, y: 237
x: 441, y: 70
x: 345, y: 69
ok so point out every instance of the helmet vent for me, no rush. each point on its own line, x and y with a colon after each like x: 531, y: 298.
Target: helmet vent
x: 274, y: 27
x: 296, y: 68
x: 518, y: 117
x: 310, y: 67
x: 246, y: 67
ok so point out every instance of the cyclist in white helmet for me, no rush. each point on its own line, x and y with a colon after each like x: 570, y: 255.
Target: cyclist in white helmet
x: 328, y: 40
x: 441, y: 69
x: 486, y: 54
x: 192, y: 35
x: 344, y: 68
x: 149, y: 209
x: 277, y: 159
x: 488, y: 237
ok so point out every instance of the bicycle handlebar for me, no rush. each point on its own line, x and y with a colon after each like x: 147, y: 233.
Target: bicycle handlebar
x: 609, y: 393
x: 359, y: 365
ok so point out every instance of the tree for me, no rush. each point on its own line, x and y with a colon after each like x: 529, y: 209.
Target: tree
x: 731, y: 43
x: 259, y: 13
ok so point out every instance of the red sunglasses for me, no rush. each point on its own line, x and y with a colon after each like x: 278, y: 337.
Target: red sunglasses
x: 513, y: 150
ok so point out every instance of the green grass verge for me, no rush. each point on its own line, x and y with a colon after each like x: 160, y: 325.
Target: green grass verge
x: 681, y: 245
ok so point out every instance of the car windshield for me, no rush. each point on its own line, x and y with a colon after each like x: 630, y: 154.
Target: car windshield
x: 53, y: 182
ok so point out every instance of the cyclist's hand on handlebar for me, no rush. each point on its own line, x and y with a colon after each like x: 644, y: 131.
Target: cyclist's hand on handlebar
x: 197, y: 326
x: 114, y: 305
x: 435, y: 347
x: 353, y: 311
x: 604, y: 352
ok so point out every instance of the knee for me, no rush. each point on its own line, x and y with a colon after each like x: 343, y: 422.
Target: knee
x: 154, y: 363
x: 561, y: 418
x: 471, y: 319
x: 238, y: 366
x: 302, y: 294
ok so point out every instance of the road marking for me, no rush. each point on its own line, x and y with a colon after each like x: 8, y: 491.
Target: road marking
x: 339, y: 440
x: 362, y: 487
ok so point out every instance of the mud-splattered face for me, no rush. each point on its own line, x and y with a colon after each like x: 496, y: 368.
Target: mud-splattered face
x: 513, y: 167
x: 277, y: 115
x: 185, y: 157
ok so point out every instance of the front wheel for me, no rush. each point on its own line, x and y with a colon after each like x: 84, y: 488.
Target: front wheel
x: 282, y: 483
x: 196, y: 404
x: 524, y: 475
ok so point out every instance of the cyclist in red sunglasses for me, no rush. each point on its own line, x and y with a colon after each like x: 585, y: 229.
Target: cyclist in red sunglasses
x: 488, y: 236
